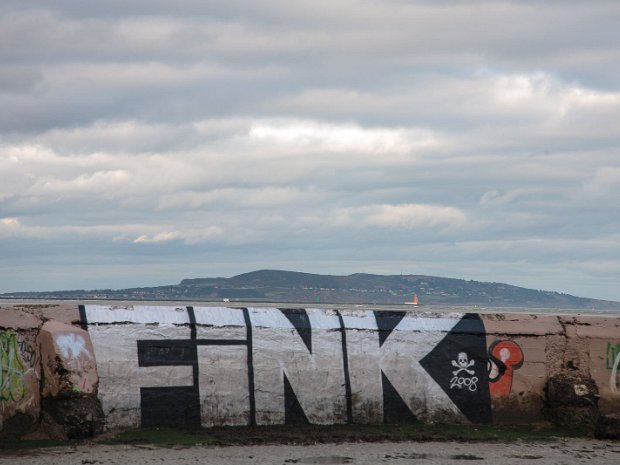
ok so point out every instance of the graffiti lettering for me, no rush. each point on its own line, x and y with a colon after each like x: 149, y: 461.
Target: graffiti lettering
x: 73, y: 347
x: 610, y: 355
x: 469, y: 383
x: 365, y: 365
x: 504, y: 358
x: 28, y: 353
x: 12, y: 386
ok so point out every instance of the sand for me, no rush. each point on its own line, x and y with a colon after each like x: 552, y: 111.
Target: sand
x: 559, y: 452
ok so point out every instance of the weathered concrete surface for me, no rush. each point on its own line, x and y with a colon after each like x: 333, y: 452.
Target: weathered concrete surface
x: 58, y: 311
x: 540, y: 341
x: 144, y: 365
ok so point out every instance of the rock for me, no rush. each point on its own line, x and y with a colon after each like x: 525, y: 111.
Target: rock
x: 18, y: 425
x: 608, y: 427
x: 571, y: 389
x: 80, y: 417
x: 572, y: 401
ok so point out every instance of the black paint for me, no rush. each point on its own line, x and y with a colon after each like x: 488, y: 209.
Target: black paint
x: 192, y: 322
x: 386, y: 322
x: 468, y: 336
x: 345, y: 364
x: 293, y: 413
x: 395, y: 409
x: 192, y: 328
x: 167, y: 352
x: 248, y: 325
x: 83, y: 318
x: 180, y: 405
x: 170, y: 406
x: 299, y: 319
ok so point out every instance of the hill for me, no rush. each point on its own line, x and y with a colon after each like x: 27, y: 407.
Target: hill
x: 359, y: 288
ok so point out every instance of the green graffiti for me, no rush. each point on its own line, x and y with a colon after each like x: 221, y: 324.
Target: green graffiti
x: 11, y: 368
x: 610, y: 355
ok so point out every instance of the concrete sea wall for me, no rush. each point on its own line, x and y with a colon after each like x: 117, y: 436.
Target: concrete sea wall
x: 75, y: 370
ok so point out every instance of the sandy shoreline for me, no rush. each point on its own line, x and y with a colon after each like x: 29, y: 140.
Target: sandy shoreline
x: 560, y: 452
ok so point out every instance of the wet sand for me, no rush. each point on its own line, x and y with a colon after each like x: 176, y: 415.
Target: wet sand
x: 559, y: 452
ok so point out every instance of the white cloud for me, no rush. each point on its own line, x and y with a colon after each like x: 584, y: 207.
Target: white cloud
x: 540, y: 91
x: 411, y: 216
x: 10, y: 227
x: 319, y: 137
x: 400, y: 216
x: 159, y: 237
x: 189, y: 236
x: 10, y: 222
x: 604, y: 182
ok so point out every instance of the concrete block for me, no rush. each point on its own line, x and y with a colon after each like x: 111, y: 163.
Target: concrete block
x: 69, y: 364
x: 521, y: 323
x: 17, y: 319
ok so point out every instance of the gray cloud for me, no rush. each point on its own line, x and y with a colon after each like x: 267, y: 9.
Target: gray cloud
x: 145, y: 142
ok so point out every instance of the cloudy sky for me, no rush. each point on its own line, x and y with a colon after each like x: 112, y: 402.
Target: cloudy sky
x: 143, y: 142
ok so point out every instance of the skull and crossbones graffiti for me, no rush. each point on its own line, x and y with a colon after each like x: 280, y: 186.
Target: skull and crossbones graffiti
x: 462, y: 363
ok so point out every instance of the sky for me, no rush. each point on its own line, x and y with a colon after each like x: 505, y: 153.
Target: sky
x: 144, y: 142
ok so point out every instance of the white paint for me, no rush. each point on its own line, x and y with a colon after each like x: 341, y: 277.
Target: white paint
x: 141, y: 314
x: 415, y: 322
x: 120, y: 377
x: 219, y: 316
x: 464, y: 382
x: 274, y: 318
x: 223, y: 382
x: 317, y: 378
x: 323, y: 319
x: 72, y: 346
x: 261, y: 317
x: 614, y: 374
x: 364, y: 319
x: 359, y: 319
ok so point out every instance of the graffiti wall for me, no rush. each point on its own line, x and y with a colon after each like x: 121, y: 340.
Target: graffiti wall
x: 12, y: 386
x: 209, y: 366
x: 19, y: 374
x: 130, y: 366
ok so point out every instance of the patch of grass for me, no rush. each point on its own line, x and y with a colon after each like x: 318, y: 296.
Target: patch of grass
x: 312, y: 434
